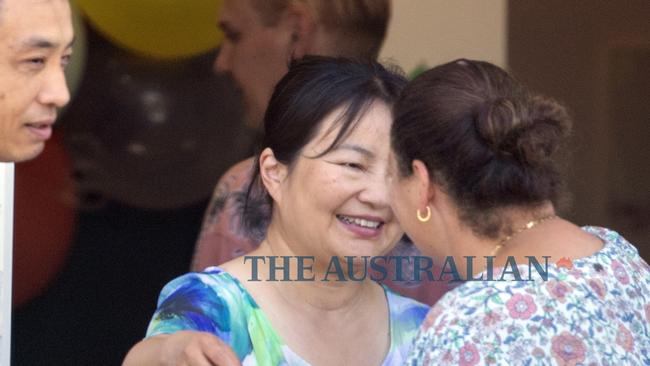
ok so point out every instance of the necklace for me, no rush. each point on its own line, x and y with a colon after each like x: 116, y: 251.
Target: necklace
x: 529, y: 225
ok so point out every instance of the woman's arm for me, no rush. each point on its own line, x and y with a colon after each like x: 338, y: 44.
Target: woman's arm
x: 182, y: 348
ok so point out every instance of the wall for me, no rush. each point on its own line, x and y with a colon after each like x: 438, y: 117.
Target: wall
x: 437, y: 31
x: 594, y: 59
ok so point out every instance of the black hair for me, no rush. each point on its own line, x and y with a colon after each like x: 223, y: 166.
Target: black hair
x: 314, y: 87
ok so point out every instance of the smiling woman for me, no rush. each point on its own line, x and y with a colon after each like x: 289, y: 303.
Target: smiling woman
x: 336, y: 142
x: 323, y: 166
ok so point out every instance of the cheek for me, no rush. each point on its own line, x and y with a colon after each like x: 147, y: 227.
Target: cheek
x: 259, y: 70
x: 324, y: 190
x: 12, y: 90
x: 20, y: 94
x: 15, y: 110
x: 13, y: 93
x: 262, y: 51
x: 394, y: 195
x: 240, y: 60
x: 271, y: 56
x: 395, y: 232
x: 4, y: 111
x: 399, y: 204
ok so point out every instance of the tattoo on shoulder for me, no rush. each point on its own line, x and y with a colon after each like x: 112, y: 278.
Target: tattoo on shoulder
x: 254, y: 222
x: 218, y: 202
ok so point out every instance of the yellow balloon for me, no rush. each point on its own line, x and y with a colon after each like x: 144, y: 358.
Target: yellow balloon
x: 158, y: 28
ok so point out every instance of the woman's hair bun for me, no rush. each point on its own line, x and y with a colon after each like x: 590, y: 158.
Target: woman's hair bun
x: 529, y: 129
x: 496, y: 121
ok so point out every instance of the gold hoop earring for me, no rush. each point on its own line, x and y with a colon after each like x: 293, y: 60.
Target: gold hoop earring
x: 425, y: 218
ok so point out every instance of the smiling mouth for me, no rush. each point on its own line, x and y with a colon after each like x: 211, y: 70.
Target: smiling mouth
x: 367, y: 224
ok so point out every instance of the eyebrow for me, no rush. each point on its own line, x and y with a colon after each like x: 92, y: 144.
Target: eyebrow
x: 356, y: 148
x: 43, y: 43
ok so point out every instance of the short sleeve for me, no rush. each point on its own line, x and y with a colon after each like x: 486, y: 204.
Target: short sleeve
x: 188, y: 303
x: 206, y: 302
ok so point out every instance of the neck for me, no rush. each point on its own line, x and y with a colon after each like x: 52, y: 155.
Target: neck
x: 306, y: 288
x: 518, y: 225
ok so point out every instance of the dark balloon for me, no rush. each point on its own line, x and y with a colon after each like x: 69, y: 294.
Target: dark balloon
x: 152, y: 133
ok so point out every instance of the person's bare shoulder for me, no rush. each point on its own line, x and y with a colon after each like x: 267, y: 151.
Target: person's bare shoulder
x: 223, y: 235
x: 235, y: 179
x: 240, y: 172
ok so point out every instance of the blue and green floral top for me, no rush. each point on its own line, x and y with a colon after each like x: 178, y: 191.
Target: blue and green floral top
x: 214, y: 301
x: 593, y: 311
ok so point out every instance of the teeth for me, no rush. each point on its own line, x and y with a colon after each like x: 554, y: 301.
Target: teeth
x: 360, y: 222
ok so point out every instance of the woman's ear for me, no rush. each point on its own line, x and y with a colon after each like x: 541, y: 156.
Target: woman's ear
x: 272, y: 173
x: 425, y: 188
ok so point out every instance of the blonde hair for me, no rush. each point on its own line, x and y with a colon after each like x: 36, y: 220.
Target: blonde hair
x: 358, y: 27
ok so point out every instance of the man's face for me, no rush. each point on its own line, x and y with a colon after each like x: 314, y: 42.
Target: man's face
x: 35, y: 45
x: 255, y: 55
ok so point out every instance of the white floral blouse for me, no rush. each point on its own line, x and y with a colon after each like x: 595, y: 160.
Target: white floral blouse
x: 595, y: 313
